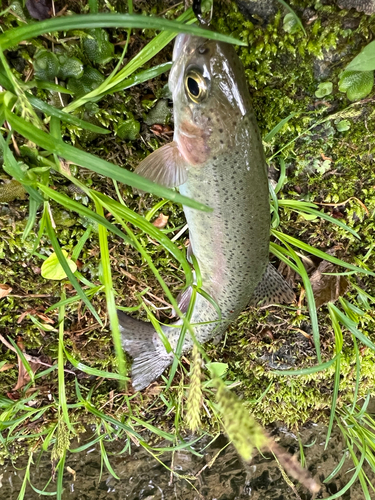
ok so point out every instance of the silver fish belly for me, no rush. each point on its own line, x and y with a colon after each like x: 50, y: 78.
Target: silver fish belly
x: 216, y: 158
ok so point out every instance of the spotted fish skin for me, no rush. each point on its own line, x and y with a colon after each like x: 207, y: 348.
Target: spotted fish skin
x: 216, y: 158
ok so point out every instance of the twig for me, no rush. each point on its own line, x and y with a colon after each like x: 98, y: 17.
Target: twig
x: 344, y: 203
x: 32, y: 359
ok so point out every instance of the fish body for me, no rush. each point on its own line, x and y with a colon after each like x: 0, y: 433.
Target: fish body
x: 216, y: 158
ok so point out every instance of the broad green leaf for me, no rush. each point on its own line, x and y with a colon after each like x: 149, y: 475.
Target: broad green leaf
x: 290, y: 23
x: 297, y: 19
x: 56, y: 246
x: 343, y: 125
x: 52, y: 269
x: 217, y: 369
x: 356, y: 84
x: 324, y: 88
x: 365, y: 60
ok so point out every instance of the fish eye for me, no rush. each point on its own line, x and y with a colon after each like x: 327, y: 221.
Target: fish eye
x: 195, y: 85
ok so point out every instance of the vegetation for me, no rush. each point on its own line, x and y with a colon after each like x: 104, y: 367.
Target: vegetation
x: 77, y: 241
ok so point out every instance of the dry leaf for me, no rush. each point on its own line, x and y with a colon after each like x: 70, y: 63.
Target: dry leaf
x: 72, y: 472
x: 5, y: 290
x: 7, y: 366
x: 39, y: 9
x: 161, y: 221
x: 23, y: 376
x: 45, y: 318
x: 327, y: 288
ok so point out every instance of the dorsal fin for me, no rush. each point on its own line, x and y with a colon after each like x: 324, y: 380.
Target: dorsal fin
x: 272, y: 289
x: 165, y: 166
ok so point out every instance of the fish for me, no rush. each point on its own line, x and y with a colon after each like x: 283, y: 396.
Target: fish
x: 217, y: 158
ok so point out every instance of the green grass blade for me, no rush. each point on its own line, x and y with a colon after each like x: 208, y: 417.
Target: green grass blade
x: 352, y: 327
x: 87, y: 21
x: 357, y: 374
x: 26, y: 478
x: 113, y: 421
x: 282, y: 254
x: 282, y: 177
x: 60, y: 473
x: 104, y: 455
x: 275, y: 222
x: 129, y: 215
x: 338, y: 349
x: 43, y: 493
x: 106, y: 279
x: 310, y: 299
x: 70, y: 204
x: 353, y: 478
x: 150, y: 214
x: 60, y: 370
x: 70, y: 300
x: 87, y: 445
x: 43, y: 85
x: 63, y: 116
x: 93, y: 371
x: 336, y: 470
x: 278, y: 127
x: 81, y: 243
x: 181, y: 339
x: 319, y: 253
x: 155, y: 430
x: 310, y: 208
x: 95, y: 163
x: 306, y: 371
x: 294, y: 14
x: 33, y: 208
x: 52, y: 236
x: 142, y: 76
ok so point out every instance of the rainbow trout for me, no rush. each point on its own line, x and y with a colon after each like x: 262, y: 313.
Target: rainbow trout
x: 216, y: 158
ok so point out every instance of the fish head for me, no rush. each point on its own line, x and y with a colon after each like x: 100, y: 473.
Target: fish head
x: 210, y: 97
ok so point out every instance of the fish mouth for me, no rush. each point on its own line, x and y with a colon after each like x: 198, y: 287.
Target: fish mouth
x: 182, y: 40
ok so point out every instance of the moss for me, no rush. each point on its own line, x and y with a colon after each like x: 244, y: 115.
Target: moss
x: 283, y: 70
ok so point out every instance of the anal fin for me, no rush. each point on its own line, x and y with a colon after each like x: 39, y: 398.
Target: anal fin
x: 272, y: 289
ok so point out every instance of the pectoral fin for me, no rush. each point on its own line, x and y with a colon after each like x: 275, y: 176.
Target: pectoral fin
x: 272, y: 289
x: 165, y: 166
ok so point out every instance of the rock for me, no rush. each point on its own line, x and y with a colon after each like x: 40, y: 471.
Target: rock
x: 365, y: 6
x: 260, y: 10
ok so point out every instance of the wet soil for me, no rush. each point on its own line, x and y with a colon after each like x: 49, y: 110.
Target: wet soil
x: 218, y: 474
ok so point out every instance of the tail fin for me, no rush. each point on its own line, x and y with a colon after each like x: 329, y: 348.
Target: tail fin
x: 272, y: 289
x: 141, y: 341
